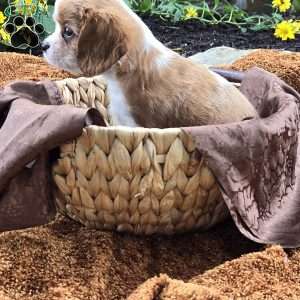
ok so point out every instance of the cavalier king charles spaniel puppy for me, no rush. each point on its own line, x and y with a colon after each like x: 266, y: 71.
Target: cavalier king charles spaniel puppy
x: 148, y: 84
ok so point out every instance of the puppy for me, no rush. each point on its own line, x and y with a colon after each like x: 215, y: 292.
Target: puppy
x: 149, y: 85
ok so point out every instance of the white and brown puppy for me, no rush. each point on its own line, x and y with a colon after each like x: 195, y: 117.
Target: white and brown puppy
x: 148, y: 84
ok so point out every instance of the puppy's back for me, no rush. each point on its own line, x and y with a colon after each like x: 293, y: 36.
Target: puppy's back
x: 187, y: 94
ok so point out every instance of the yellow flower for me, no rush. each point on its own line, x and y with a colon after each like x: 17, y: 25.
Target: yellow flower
x: 4, y: 35
x: 2, y: 17
x: 296, y: 25
x: 285, y: 30
x: 43, y: 5
x: 191, y: 12
x: 283, y: 5
x: 28, y: 2
x: 43, y: 2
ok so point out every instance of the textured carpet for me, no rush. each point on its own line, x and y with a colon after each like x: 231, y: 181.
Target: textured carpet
x: 284, y: 65
x: 20, y: 66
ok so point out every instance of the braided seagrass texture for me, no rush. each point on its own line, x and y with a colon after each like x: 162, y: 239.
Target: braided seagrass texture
x: 133, y: 179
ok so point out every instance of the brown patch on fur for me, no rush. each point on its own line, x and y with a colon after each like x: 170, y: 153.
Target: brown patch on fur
x: 102, y: 42
x: 179, y: 94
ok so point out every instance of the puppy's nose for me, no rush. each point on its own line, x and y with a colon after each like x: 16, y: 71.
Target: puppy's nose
x: 45, y: 46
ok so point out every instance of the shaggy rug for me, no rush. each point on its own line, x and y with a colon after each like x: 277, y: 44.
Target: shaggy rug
x: 286, y: 65
x: 63, y: 260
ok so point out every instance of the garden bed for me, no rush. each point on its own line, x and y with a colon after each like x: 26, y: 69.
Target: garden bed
x: 191, y: 36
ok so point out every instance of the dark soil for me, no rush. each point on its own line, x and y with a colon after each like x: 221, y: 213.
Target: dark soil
x: 191, y: 37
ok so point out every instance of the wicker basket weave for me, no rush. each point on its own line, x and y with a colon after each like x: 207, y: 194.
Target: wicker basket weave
x: 133, y: 179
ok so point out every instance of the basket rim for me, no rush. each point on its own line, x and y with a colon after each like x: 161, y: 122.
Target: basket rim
x: 81, y: 78
x: 138, y: 129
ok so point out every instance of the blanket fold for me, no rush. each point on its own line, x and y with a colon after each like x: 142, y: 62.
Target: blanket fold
x: 256, y: 162
x: 33, y: 121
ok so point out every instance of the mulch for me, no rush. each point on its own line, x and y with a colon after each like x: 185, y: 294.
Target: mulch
x: 191, y: 37
x: 21, y: 66
x: 284, y: 65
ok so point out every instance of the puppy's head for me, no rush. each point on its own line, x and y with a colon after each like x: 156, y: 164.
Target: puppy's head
x: 86, y: 40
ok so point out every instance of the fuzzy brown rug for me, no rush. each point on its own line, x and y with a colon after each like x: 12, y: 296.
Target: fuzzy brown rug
x: 285, y: 65
x: 20, y: 66
x: 64, y: 260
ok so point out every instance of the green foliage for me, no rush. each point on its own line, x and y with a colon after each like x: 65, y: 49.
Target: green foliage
x: 3, y: 4
x: 296, y: 4
x: 212, y: 13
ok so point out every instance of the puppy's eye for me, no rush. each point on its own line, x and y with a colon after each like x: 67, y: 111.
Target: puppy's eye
x: 67, y: 33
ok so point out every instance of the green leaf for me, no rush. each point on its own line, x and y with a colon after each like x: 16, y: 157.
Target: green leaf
x: 47, y: 20
x: 146, y: 6
x: 296, y: 4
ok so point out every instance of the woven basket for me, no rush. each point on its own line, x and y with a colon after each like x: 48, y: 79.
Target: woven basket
x: 133, y: 179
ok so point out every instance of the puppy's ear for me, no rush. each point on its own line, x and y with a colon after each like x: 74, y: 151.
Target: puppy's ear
x: 102, y: 42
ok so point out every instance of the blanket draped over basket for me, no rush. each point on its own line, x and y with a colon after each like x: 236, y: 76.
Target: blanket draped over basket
x: 255, y: 161
x: 33, y: 120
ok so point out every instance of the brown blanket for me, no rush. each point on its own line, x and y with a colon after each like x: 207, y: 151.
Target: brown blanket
x: 33, y: 121
x: 256, y: 161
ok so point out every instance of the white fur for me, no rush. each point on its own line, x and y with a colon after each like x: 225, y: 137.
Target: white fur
x: 53, y: 55
x: 56, y: 7
x: 118, y: 108
x: 150, y: 42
